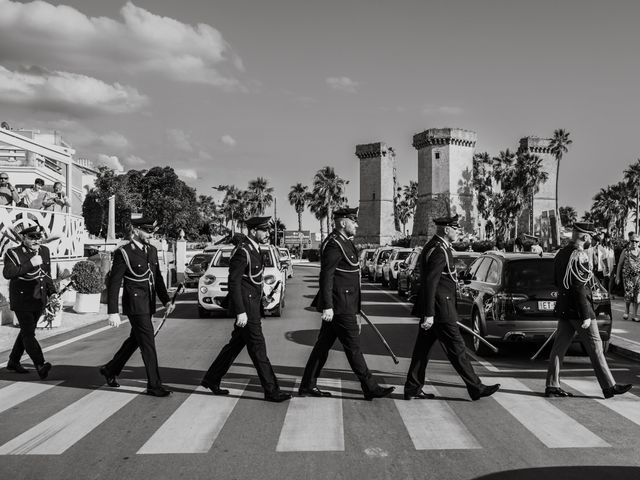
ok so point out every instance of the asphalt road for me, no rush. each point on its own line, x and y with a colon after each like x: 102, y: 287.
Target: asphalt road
x: 73, y: 427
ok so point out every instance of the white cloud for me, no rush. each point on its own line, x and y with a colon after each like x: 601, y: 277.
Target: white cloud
x: 344, y: 84
x: 180, y: 140
x: 228, y: 140
x: 63, y: 37
x: 135, y: 161
x: 110, y: 161
x: 444, y: 109
x: 187, y: 173
x: 71, y: 93
x: 113, y: 140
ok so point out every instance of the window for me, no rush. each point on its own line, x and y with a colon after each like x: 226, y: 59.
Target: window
x: 481, y: 273
x: 436, y: 155
x: 402, y: 255
x: 222, y: 259
x: 529, y: 275
x: 493, y: 276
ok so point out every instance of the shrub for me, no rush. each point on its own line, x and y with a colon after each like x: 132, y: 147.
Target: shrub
x: 86, y: 277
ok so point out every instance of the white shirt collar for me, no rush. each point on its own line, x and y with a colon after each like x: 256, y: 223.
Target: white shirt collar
x: 137, y: 244
x: 254, y: 243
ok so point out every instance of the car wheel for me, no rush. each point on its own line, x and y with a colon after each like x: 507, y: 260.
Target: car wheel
x: 203, y: 312
x: 476, y: 325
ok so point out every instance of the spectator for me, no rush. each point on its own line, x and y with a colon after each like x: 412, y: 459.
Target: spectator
x: 517, y: 245
x: 608, y: 259
x: 8, y: 193
x: 500, y: 246
x: 535, y: 246
x: 33, y: 197
x: 629, y: 274
x: 56, y: 201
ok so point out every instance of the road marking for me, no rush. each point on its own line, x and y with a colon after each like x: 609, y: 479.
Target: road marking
x: 549, y: 424
x: 386, y: 303
x: 627, y: 405
x: 626, y: 340
x: 61, y: 431
x: 71, y: 340
x: 196, y: 424
x: 393, y: 320
x: 433, y: 425
x: 314, y: 424
x: 18, y: 392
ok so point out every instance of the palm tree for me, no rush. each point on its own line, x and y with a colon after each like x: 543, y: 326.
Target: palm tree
x: 558, y: 147
x: 482, y: 182
x: 330, y: 187
x: 319, y: 209
x: 632, y: 176
x: 234, y: 206
x: 298, y: 198
x: 568, y: 216
x: 259, y: 196
x: 405, y: 212
x: 528, y: 176
x: 503, y: 166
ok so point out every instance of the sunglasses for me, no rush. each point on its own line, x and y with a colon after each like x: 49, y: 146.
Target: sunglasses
x: 34, y: 237
x: 635, y: 241
x: 4, y: 178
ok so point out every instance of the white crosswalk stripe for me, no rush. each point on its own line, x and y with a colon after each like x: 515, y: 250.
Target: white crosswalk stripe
x: 19, y: 392
x: 549, y: 424
x: 314, y: 424
x: 65, y: 428
x: 433, y: 425
x: 627, y: 405
x: 196, y: 424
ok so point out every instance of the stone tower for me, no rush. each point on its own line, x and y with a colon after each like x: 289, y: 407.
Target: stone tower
x: 544, y: 202
x: 376, y: 218
x: 445, y: 179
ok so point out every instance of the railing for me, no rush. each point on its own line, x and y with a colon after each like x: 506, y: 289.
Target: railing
x: 68, y: 227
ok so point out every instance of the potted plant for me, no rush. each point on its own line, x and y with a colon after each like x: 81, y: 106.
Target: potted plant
x: 88, y: 283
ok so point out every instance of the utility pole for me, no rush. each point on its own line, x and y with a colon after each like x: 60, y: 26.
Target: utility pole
x: 275, y: 220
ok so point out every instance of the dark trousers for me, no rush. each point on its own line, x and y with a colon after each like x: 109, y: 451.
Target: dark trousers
x: 26, y: 339
x: 448, y: 333
x: 141, y: 337
x: 344, y: 328
x: 249, y: 336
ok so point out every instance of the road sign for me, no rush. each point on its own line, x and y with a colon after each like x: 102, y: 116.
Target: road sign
x: 294, y: 237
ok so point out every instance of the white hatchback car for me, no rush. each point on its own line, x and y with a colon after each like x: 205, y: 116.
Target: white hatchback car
x: 390, y: 269
x: 213, y: 287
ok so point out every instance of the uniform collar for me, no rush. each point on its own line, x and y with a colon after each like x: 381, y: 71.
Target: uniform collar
x: 253, y: 243
x: 344, y: 237
x: 446, y: 243
x: 137, y: 244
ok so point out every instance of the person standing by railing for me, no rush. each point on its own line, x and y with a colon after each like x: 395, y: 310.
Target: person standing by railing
x: 33, y: 197
x: 56, y: 201
x: 8, y: 193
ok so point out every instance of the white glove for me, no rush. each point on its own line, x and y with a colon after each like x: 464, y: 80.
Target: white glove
x: 241, y: 320
x: 586, y: 323
x: 327, y: 315
x: 426, y: 323
x: 36, y: 260
x: 114, y: 320
x: 169, y: 308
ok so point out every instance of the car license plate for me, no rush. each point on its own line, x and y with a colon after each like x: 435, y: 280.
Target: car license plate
x: 547, y: 305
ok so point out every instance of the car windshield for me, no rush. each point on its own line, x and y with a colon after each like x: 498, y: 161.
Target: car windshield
x: 200, y: 258
x: 402, y: 255
x: 384, y: 255
x: 526, y: 275
x: 369, y: 255
x: 222, y: 259
x: 462, y: 263
x: 284, y: 254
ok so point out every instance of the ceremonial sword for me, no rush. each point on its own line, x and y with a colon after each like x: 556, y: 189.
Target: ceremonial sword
x: 553, y: 334
x: 173, y: 302
x: 382, y: 339
x: 479, y: 337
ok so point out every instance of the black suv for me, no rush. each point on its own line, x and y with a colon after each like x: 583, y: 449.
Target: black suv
x: 511, y: 297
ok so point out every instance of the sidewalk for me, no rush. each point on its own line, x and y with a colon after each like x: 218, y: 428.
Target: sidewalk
x: 625, y: 335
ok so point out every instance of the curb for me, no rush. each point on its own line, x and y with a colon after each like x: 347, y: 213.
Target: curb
x: 624, y: 351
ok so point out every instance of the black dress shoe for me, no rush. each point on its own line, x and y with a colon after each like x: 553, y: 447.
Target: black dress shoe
x: 485, y: 391
x: 617, y: 389
x: 378, y: 392
x: 277, y: 397
x: 312, y: 392
x: 43, y: 370
x: 16, y: 367
x: 112, y: 381
x: 215, y: 389
x: 556, y: 392
x: 419, y: 395
x: 158, y: 391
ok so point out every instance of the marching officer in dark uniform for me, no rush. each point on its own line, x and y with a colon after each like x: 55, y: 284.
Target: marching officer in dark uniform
x: 436, y: 309
x: 28, y: 269
x: 339, y: 302
x: 246, y: 304
x: 136, y: 267
x: 573, y: 275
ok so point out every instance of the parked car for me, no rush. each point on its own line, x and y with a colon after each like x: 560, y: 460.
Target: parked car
x: 390, y: 269
x: 213, y: 286
x: 195, y: 268
x: 380, y: 258
x: 365, y: 260
x: 510, y: 297
x: 285, y: 261
x: 405, y: 271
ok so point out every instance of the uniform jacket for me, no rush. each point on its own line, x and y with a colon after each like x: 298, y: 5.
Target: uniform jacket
x: 29, y: 286
x: 574, y: 302
x: 139, y: 274
x: 339, y: 276
x: 437, y: 294
x: 245, y: 280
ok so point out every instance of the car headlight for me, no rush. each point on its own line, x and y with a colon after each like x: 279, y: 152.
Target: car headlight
x: 204, y: 289
x: 208, y: 279
x: 269, y: 279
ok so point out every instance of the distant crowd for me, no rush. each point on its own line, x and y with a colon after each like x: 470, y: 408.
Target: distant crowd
x: 34, y: 197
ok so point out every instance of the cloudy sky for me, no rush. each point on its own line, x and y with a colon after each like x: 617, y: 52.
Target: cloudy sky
x: 225, y: 91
